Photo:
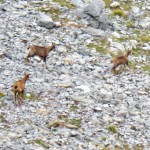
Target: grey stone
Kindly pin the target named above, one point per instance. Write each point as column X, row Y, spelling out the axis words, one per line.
column 92, row 31
column 45, row 21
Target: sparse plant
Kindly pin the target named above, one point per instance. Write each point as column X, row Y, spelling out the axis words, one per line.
column 119, row 12
column 145, row 38
column 65, row 3
column 42, row 143
column 1, row 95
column 112, row 129
column 104, row 138
column 130, row 24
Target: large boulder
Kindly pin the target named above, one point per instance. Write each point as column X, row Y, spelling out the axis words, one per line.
column 45, row 21
column 95, row 14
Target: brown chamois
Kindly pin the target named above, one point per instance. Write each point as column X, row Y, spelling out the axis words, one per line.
column 122, row 60
column 18, row 89
column 40, row 51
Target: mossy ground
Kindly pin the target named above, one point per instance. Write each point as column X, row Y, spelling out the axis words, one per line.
column 1, row 95
column 42, row 143
column 66, row 3
column 52, row 11
column 32, row 96
column 73, row 121
column 112, row 129
column 101, row 46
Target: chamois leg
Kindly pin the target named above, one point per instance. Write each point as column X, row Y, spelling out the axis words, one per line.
column 114, row 69
column 19, row 99
column 27, row 58
column 44, row 59
column 22, row 96
column 15, row 97
column 127, row 64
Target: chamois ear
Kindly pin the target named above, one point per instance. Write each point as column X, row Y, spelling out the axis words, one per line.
column 26, row 74
column 54, row 45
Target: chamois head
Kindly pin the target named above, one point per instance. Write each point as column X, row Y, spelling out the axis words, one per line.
column 128, row 52
column 26, row 76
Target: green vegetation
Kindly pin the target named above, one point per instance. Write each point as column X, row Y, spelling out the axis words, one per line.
column 137, row 32
column 126, row 6
column 145, row 38
column 1, row 1
column 108, row 2
column 119, row 12
column 30, row 96
column 125, row 147
column 146, row 68
column 51, row 10
column 112, row 129
column 104, row 138
column 130, row 24
column 76, row 121
column 73, row 107
column 64, row 3
column 42, row 143
column 1, row 95
column 100, row 47
column 2, row 119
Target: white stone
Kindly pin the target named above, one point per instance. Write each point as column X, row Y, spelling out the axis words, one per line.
column 85, row 88
column 135, row 9
column 115, row 34
column 115, row 4
column 118, row 46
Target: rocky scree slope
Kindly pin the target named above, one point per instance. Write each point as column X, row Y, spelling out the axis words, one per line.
column 101, row 111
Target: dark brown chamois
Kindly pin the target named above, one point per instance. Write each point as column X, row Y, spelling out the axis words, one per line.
column 40, row 51
column 18, row 89
column 122, row 60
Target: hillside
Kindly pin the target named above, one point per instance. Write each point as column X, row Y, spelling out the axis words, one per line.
column 76, row 103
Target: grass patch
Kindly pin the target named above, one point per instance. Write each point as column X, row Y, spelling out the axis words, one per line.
column 65, row 3
column 51, row 10
column 132, row 64
column 119, row 12
column 101, row 47
column 104, row 138
column 1, row 95
column 31, row 96
column 112, row 129
column 2, row 103
column 1, row 1
column 76, row 121
column 108, row 2
column 2, row 119
column 145, row 38
column 130, row 24
column 73, row 108
column 146, row 68
column 42, row 143
column 137, row 32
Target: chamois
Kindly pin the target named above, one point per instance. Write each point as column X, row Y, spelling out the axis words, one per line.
column 122, row 60
column 40, row 51
column 18, row 89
